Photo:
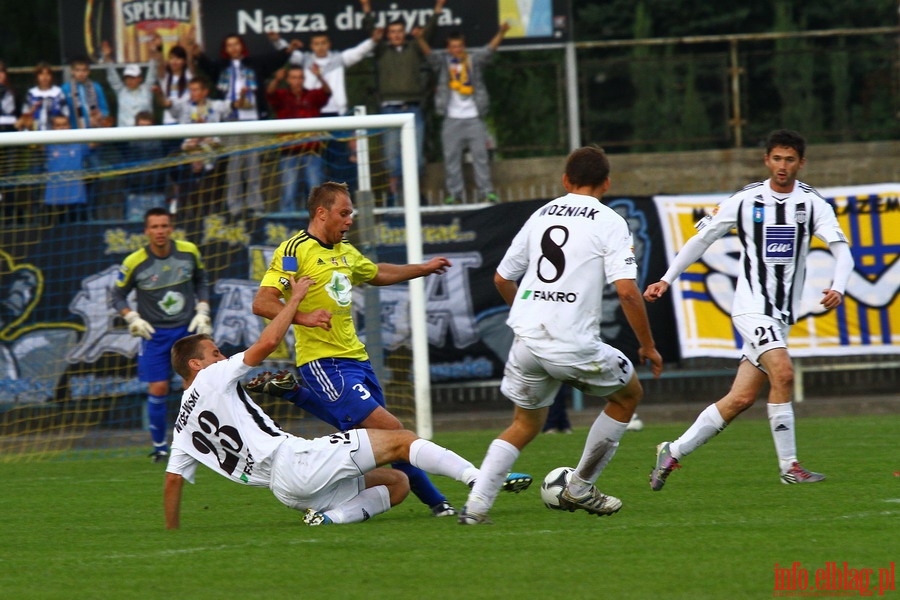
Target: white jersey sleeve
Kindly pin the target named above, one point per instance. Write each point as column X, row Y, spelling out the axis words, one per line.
column 825, row 223
column 515, row 261
column 710, row 228
column 220, row 426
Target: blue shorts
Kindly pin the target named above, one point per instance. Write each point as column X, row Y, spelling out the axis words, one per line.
column 155, row 360
column 344, row 391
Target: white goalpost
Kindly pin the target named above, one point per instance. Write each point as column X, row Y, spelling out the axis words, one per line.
column 20, row 178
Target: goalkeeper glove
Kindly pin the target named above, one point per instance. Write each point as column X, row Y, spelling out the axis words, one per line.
column 139, row 327
column 201, row 322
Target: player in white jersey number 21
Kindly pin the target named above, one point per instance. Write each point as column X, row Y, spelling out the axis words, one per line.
column 775, row 221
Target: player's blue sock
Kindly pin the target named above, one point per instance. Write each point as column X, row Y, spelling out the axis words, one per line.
column 156, row 415
column 420, row 485
column 299, row 396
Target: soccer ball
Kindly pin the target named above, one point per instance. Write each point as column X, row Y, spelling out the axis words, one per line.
column 553, row 485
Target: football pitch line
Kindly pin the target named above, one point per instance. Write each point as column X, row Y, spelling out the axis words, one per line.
column 195, row 549
column 522, row 533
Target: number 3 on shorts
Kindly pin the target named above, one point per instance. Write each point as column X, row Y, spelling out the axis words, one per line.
column 364, row 394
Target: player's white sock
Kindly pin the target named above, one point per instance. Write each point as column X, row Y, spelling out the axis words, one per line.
column 437, row 460
column 498, row 461
column 707, row 426
column 599, row 448
column 370, row 502
column 781, row 422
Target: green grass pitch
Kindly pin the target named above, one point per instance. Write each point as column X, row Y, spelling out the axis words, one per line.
column 94, row 528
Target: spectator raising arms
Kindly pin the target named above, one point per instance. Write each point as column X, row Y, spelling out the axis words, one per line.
column 295, row 102
column 134, row 95
column 238, row 77
column 462, row 99
column 398, row 66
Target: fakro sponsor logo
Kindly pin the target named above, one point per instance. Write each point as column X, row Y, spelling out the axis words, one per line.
column 545, row 296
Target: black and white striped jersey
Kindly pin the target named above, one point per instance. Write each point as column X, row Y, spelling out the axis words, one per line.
column 775, row 231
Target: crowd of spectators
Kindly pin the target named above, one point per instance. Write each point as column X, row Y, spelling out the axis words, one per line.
column 187, row 85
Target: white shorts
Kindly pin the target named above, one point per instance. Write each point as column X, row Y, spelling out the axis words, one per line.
column 323, row 472
column 760, row 333
column 532, row 382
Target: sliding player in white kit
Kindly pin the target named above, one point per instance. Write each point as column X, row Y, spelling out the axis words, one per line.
column 775, row 221
column 565, row 254
column 333, row 478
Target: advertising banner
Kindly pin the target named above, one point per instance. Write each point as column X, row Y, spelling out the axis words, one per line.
column 129, row 24
column 65, row 318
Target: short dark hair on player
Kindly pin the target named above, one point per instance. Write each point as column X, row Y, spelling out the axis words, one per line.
column 156, row 211
column 324, row 195
column 184, row 350
column 786, row 138
column 587, row 166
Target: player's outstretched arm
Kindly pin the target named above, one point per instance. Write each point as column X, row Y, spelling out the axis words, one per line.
column 655, row 291
column 274, row 332
column 172, row 500
column 636, row 313
column 688, row 255
column 268, row 304
column 389, row 274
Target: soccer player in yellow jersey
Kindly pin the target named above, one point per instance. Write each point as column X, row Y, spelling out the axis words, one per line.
column 342, row 388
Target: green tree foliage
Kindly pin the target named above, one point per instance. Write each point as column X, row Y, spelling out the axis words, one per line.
column 614, row 19
column 668, row 104
column 644, row 76
column 528, row 105
column 694, row 119
column 29, row 32
column 839, row 72
column 678, row 96
column 794, row 76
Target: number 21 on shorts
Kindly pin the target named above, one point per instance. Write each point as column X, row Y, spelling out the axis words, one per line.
column 765, row 335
